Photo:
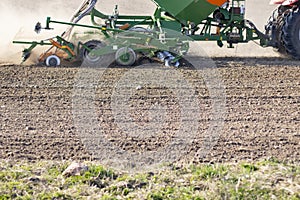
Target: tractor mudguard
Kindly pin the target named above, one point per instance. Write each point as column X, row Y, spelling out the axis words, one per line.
column 289, row 2
column 284, row 2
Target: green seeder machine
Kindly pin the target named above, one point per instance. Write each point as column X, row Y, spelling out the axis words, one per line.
column 164, row 36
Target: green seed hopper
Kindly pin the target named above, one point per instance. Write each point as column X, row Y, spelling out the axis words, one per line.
column 189, row 10
column 162, row 36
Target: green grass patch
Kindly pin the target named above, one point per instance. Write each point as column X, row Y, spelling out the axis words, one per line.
column 264, row 179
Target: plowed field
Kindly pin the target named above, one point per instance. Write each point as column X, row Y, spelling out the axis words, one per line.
column 262, row 111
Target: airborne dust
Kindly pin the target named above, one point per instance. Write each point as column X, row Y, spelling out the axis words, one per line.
column 18, row 18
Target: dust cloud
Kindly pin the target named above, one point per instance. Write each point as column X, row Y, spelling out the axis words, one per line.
column 18, row 18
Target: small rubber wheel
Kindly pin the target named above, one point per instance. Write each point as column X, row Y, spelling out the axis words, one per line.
column 125, row 56
column 52, row 61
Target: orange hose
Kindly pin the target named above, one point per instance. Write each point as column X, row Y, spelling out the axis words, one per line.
column 125, row 26
column 56, row 44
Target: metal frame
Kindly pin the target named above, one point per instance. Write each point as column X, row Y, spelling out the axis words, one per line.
column 229, row 26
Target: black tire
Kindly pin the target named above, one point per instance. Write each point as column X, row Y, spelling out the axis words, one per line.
column 274, row 29
column 92, row 44
column 91, row 60
column 280, row 45
column 291, row 34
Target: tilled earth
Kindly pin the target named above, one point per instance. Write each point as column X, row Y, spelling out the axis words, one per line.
column 262, row 111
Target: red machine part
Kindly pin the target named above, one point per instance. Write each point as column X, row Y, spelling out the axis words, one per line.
column 284, row 2
column 217, row 2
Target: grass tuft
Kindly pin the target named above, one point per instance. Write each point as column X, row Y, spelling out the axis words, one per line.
column 266, row 179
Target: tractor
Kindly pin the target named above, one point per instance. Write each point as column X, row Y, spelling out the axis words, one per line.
column 165, row 35
column 283, row 28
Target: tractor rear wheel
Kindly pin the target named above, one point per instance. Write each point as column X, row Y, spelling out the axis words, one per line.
column 274, row 29
column 280, row 46
column 291, row 34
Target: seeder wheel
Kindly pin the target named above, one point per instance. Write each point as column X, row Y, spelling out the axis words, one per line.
column 125, row 56
column 92, row 60
column 52, row 61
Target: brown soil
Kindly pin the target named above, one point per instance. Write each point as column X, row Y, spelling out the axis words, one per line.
column 262, row 119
